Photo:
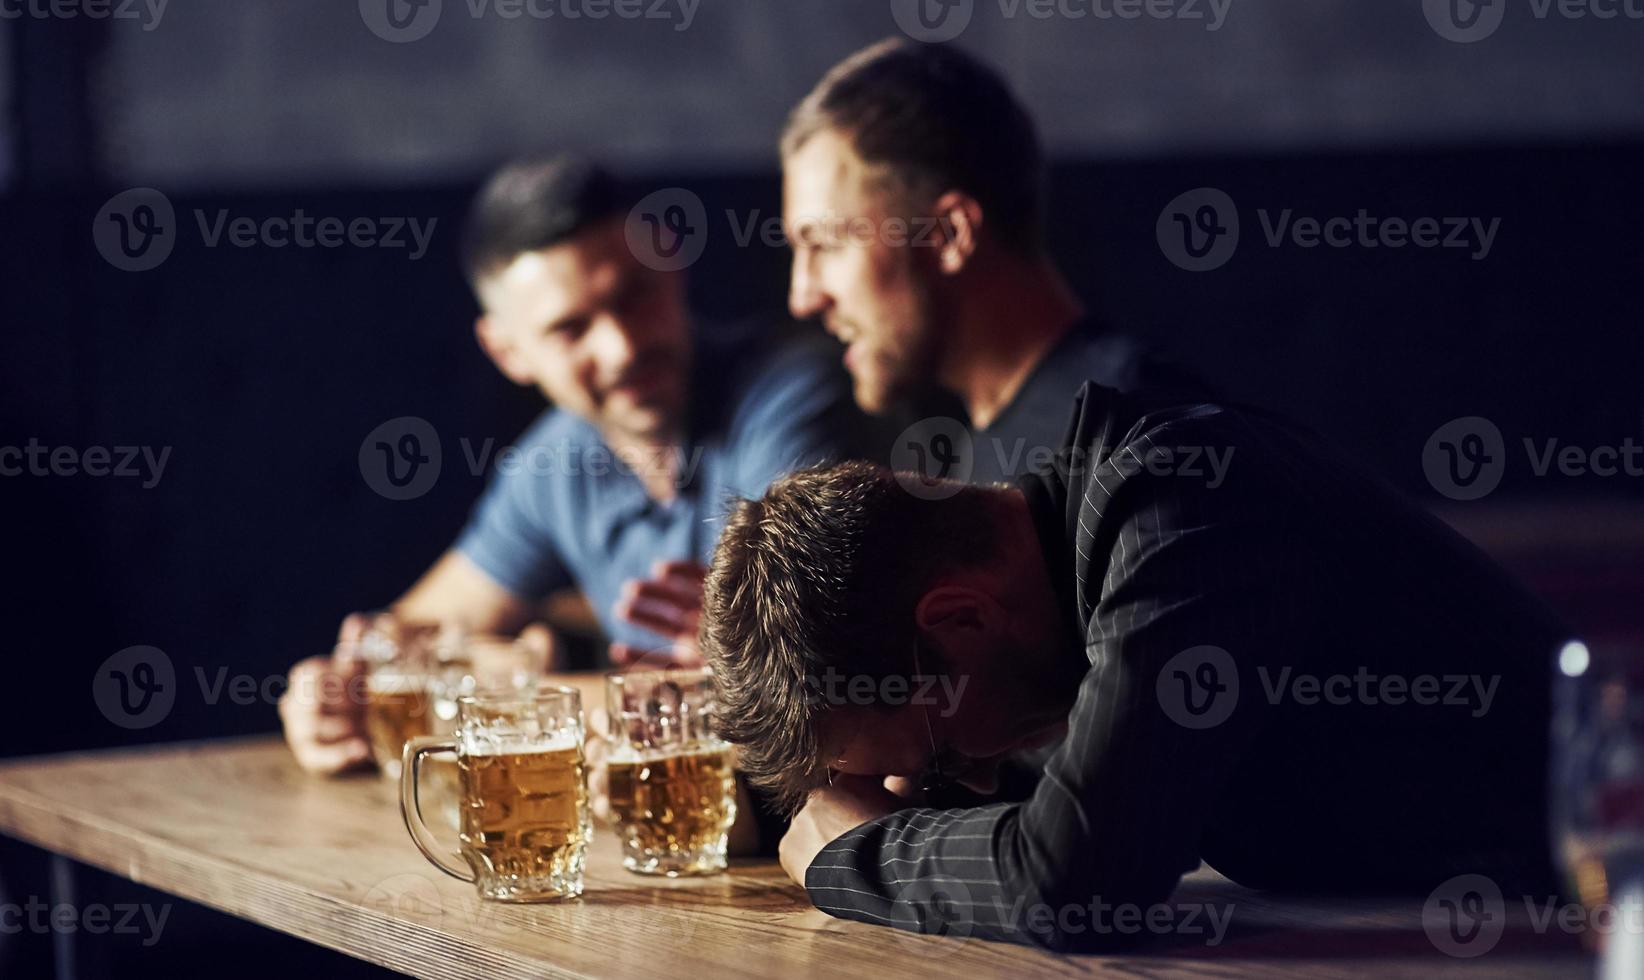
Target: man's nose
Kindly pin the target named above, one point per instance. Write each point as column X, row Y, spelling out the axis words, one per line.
column 805, row 296
column 611, row 345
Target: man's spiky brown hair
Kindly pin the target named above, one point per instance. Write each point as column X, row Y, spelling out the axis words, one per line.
column 822, row 575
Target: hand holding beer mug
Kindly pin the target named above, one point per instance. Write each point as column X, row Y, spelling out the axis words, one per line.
column 524, row 793
column 324, row 711
column 671, row 787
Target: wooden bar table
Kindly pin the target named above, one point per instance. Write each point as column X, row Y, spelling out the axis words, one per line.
column 235, row 825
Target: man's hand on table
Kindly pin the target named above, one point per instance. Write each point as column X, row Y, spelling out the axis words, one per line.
column 323, row 708
column 668, row 603
column 831, row 812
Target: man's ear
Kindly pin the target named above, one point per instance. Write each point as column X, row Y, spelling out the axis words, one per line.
column 956, row 614
column 501, row 352
column 959, row 227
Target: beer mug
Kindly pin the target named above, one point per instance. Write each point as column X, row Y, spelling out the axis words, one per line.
column 672, row 792
column 524, row 823
column 398, row 658
column 465, row 663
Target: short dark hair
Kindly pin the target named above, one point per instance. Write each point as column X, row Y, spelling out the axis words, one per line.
column 937, row 119
column 823, row 575
column 532, row 204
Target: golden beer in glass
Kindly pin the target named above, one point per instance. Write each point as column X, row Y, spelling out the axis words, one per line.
column 397, row 709
column 524, row 818
column 398, row 658
column 467, row 662
column 671, row 782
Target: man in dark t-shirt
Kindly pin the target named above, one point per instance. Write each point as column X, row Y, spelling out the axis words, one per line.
column 913, row 194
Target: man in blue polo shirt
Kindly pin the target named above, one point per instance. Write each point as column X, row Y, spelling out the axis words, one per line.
column 620, row 488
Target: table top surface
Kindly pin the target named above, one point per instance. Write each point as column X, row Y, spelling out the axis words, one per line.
column 235, row 825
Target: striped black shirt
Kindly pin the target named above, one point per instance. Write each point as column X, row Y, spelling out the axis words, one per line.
column 1247, row 638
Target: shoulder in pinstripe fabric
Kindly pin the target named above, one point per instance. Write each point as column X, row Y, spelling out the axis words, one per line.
column 1118, row 617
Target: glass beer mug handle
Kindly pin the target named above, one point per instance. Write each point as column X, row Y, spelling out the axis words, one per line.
column 411, row 807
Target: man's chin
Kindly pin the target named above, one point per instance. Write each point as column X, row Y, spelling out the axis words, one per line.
column 884, row 395
column 641, row 420
column 872, row 396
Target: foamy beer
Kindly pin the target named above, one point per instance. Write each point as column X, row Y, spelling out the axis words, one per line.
column 672, row 792
column 396, row 711
column 465, row 663
column 524, row 824
column 397, row 706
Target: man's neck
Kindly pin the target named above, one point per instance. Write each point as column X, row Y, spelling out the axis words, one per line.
column 1049, row 670
column 1010, row 315
column 654, row 460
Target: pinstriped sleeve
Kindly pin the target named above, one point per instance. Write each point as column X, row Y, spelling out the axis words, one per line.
column 1166, row 568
